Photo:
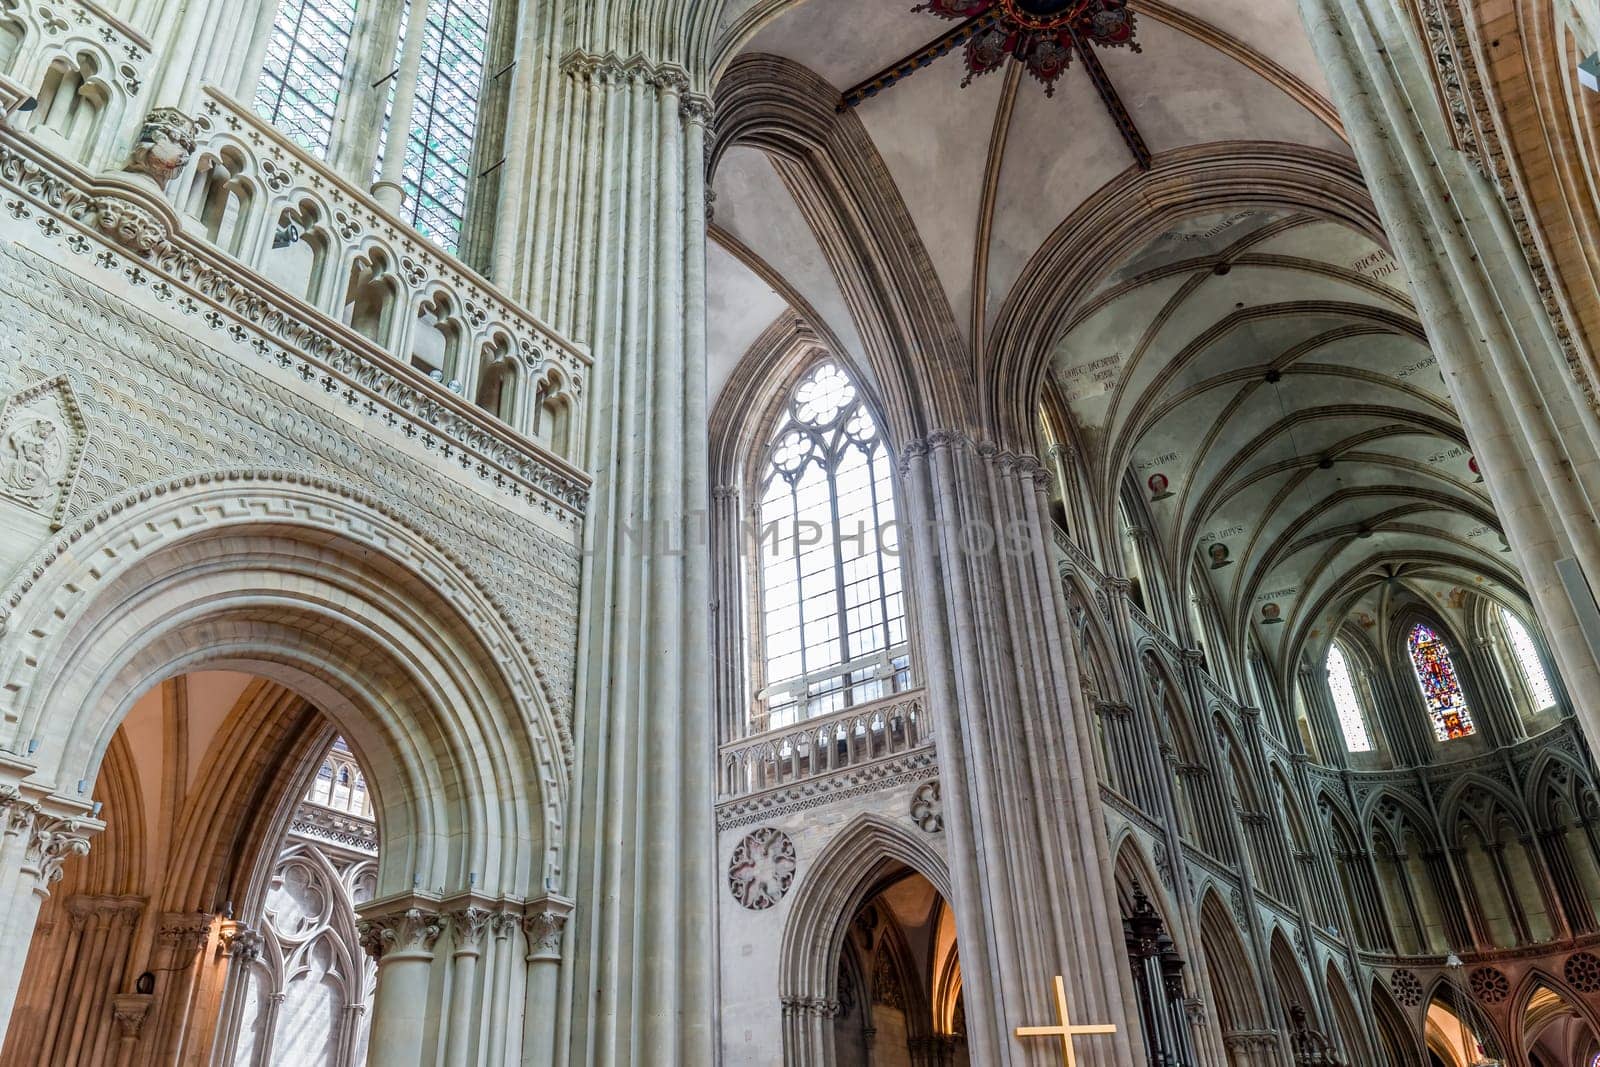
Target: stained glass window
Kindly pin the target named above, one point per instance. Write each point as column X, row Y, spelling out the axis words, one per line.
column 438, row 164
column 1441, row 689
column 832, row 611
column 304, row 67
column 1351, row 722
column 1528, row 659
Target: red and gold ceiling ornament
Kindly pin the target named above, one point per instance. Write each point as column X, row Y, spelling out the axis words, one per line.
column 1042, row 35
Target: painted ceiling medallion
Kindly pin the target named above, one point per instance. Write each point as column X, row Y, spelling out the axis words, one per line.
column 1041, row 34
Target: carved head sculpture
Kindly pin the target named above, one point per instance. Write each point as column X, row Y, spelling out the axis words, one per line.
column 166, row 141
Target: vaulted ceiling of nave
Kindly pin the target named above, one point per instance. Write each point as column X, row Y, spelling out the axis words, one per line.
column 1345, row 476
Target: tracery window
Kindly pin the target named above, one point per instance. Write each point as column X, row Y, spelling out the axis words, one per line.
column 300, row 80
column 438, row 163
column 1352, row 723
column 1441, row 688
column 1528, row 661
column 831, row 607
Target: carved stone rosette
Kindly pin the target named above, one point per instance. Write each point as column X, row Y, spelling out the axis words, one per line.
column 413, row 932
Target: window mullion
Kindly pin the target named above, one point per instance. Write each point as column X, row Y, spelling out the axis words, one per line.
column 838, row 578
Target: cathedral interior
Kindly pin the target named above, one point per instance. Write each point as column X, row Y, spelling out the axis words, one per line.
column 799, row 533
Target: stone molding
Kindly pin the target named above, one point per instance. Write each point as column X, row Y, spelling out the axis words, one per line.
column 860, row 780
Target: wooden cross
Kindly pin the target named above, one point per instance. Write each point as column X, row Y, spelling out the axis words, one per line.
column 1065, row 1031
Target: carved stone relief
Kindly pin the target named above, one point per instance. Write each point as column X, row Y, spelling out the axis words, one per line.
column 762, row 868
column 927, row 811
column 41, row 443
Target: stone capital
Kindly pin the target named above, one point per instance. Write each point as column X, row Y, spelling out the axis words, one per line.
column 468, row 926
column 129, row 1011
column 184, row 934
column 404, row 932
column 53, row 840
column 240, row 943
column 544, row 921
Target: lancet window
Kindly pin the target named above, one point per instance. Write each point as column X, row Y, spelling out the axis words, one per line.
column 438, row 163
column 1528, row 661
column 299, row 86
column 1441, row 688
column 827, row 568
column 1352, row 723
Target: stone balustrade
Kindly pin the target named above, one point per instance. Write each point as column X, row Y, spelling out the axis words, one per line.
column 270, row 256
column 825, row 745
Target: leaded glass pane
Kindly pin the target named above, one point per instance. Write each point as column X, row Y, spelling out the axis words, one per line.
column 832, row 612
column 1351, row 722
column 438, row 164
column 1528, row 659
column 1441, row 689
column 304, row 68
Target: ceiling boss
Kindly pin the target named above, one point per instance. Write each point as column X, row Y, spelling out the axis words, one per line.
column 1042, row 35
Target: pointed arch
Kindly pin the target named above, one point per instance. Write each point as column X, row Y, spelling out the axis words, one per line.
column 1347, row 1022
column 1234, row 984
column 1398, row 1042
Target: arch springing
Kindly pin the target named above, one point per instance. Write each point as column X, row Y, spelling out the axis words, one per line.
column 1352, row 723
column 1441, row 688
column 832, row 612
column 1528, row 661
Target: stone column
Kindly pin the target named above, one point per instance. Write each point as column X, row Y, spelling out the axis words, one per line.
column 180, row 939
column 1523, row 399
column 387, row 190
column 467, row 926
column 241, row 947
column 37, row 836
column 364, row 92
column 401, row 941
column 628, row 280
column 129, row 1011
column 503, row 925
column 543, row 925
column 1029, row 862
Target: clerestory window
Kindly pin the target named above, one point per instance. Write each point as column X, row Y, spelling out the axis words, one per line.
column 1441, row 688
column 1352, row 722
column 831, row 610
column 304, row 68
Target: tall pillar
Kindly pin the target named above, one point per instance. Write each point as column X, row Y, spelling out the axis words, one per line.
column 37, row 835
column 1533, row 430
column 241, row 947
column 1029, row 862
column 401, row 940
column 543, row 925
column 628, row 279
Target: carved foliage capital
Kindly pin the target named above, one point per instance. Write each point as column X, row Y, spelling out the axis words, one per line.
column 468, row 925
column 413, row 931
column 543, row 926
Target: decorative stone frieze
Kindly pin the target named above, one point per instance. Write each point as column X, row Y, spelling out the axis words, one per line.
column 798, row 1007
